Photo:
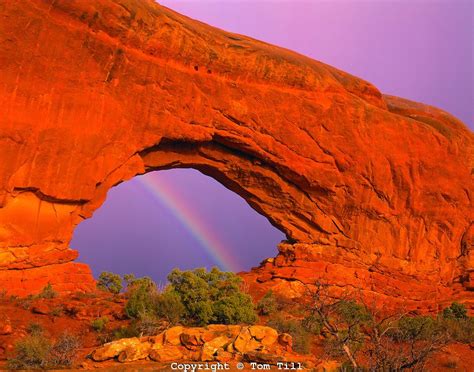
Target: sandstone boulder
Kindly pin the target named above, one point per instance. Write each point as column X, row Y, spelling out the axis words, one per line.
column 113, row 349
column 285, row 340
column 173, row 335
column 266, row 335
column 225, row 343
column 167, row 354
column 135, row 352
column 245, row 342
column 210, row 348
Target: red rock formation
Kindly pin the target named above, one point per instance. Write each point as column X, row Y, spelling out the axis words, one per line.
column 373, row 191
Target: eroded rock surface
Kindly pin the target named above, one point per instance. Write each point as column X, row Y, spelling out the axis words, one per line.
column 212, row 343
column 371, row 190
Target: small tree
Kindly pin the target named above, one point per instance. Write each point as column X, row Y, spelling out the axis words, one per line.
column 142, row 295
column 168, row 305
column 212, row 297
column 390, row 342
column 110, row 282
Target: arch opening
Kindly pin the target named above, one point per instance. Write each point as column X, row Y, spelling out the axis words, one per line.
column 174, row 218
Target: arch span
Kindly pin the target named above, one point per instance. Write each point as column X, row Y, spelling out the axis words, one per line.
column 373, row 191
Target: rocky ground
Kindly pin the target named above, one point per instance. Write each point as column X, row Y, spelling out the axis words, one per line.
column 216, row 343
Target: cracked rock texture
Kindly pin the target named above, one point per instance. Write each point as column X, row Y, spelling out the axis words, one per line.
column 372, row 191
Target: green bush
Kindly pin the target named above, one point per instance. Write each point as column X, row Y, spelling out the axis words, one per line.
column 415, row 328
column 36, row 351
column 125, row 332
column 212, row 297
column 168, row 305
column 110, row 282
column 294, row 327
column 195, row 297
column 31, row 352
column 48, row 292
column 268, row 304
column 455, row 311
column 34, row 329
column 142, row 294
column 99, row 324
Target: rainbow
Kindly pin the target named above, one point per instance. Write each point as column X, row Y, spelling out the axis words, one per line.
column 165, row 194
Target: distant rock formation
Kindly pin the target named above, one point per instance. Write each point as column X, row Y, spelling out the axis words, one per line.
column 372, row 191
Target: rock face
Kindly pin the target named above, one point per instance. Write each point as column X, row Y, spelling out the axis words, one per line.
column 371, row 190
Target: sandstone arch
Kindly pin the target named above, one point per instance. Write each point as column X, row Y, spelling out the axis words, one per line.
column 373, row 191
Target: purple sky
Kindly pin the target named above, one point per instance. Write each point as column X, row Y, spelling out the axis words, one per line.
column 421, row 50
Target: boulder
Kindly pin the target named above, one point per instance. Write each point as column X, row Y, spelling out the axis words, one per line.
column 285, row 340
column 173, row 335
column 113, row 349
column 192, row 338
column 167, row 354
column 41, row 308
column 265, row 335
column 135, row 352
column 210, row 348
column 261, row 357
column 245, row 342
column 223, row 356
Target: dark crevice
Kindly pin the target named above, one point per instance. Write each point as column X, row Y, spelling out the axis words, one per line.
column 48, row 198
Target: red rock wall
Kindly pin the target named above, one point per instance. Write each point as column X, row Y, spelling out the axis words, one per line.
column 94, row 93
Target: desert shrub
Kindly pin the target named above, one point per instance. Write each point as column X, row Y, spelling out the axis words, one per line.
column 64, row 351
column 99, row 324
column 414, row 328
column 36, row 351
column 294, row 327
column 212, row 297
column 110, row 282
column 31, row 352
column 148, row 325
column 25, row 302
column 142, row 295
column 47, row 292
column 168, row 305
column 455, row 311
column 57, row 311
column 268, row 304
column 460, row 330
column 34, row 329
column 125, row 332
